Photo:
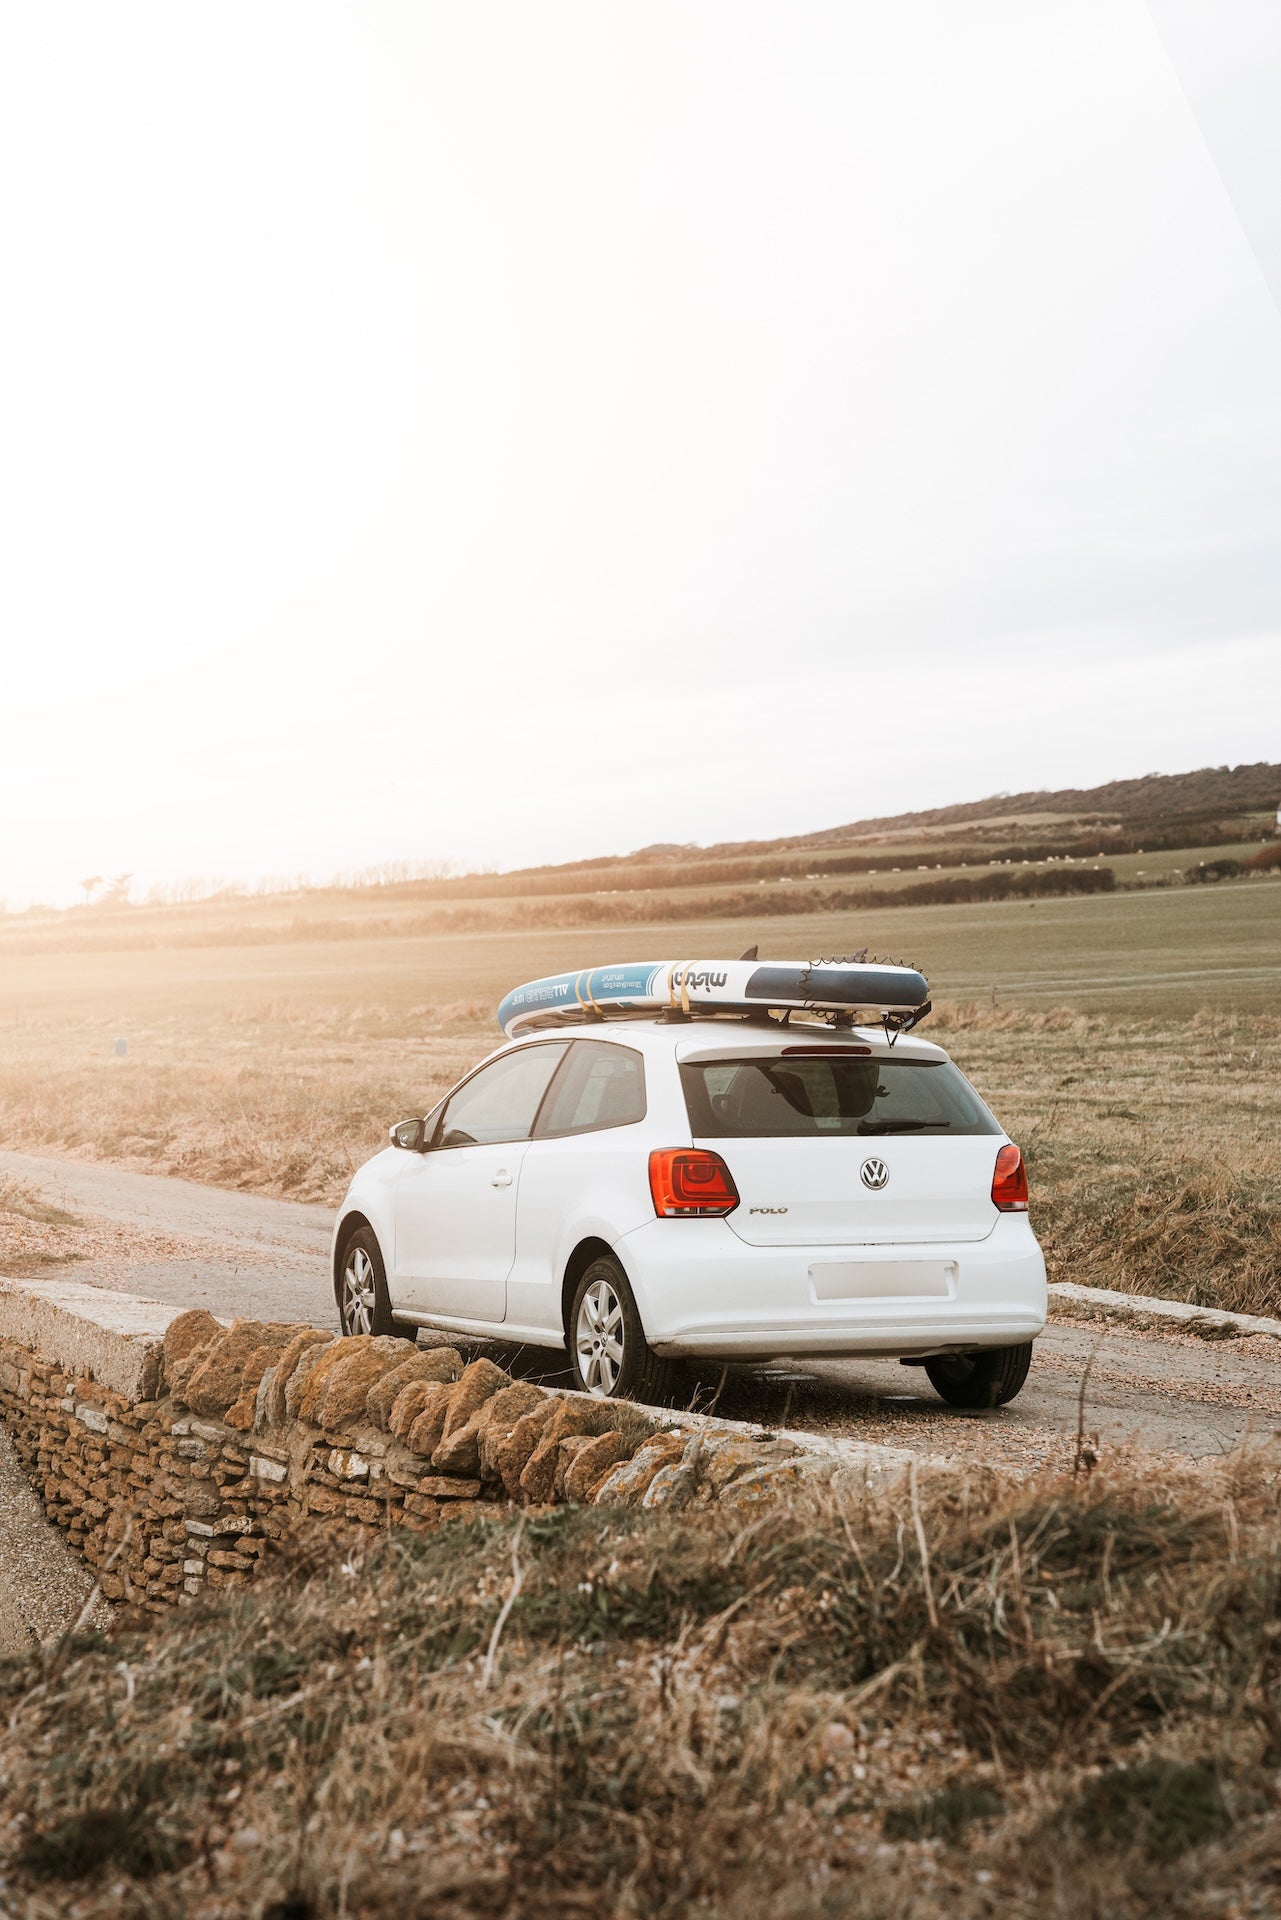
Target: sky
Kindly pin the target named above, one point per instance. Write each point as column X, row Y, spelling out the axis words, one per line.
column 497, row 433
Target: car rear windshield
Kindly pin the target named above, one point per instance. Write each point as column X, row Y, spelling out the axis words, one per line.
column 771, row 1098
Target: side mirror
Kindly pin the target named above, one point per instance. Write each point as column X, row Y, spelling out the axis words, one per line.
column 407, row 1134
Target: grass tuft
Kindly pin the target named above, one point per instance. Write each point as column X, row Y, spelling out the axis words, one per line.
column 1164, row 1808
column 944, row 1815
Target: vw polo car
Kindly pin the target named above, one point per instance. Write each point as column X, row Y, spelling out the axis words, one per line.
column 661, row 1189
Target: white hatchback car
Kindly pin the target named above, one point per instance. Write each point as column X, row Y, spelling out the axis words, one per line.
column 651, row 1190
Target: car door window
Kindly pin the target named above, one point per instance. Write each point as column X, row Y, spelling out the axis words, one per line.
column 601, row 1085
column 500, row 1102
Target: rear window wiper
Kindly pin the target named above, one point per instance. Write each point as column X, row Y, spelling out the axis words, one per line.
column 902, row 1126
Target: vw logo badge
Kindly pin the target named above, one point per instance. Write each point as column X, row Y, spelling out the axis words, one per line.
column 874, row 1174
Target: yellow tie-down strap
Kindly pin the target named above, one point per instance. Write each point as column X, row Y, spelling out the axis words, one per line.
column 583, row 993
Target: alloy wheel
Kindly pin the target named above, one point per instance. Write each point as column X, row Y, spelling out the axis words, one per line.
column 358, row 1292
column 598, row 1339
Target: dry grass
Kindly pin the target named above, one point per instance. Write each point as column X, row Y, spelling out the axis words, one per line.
column 33, row 1234
column 1066, row 1705
column 269, row 1097
column 1154, row 1145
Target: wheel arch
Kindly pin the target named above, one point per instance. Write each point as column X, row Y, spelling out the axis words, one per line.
column 350, row 1224
column 590, row 1248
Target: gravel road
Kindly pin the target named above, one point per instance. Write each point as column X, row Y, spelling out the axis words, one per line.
column 242, row 1253
column 43, row 1581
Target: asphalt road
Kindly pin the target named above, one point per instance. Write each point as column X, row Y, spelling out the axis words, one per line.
column 190, row 1245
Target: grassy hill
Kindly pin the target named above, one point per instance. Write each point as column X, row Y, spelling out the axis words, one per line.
column 1158, row 831
column 1150, row 799
column 1163, row 809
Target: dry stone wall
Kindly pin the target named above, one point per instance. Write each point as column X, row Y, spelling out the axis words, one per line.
column 181, row 1459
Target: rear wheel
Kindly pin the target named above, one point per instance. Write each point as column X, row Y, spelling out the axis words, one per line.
column 364, row 1305
column 610, row 1354
column 987, row 1379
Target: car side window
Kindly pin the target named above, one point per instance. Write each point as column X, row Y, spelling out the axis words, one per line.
column 601, row 1085
column 500, row 1102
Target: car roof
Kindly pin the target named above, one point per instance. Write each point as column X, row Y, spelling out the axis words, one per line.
column 719, row 1039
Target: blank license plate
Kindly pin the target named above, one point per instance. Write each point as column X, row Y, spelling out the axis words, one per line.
column 884, row 1279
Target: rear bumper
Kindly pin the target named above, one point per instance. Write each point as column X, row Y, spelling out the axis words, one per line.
column 701, row 1291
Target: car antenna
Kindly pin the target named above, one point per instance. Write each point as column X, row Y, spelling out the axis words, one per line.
column 751, row 954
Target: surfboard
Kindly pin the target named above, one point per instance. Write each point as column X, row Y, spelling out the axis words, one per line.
column 894, row 992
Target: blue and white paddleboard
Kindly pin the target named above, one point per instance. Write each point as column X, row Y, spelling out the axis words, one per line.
column 717, row 986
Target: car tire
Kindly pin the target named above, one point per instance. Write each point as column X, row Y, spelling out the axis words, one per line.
column 987, row 1379
column 608, row 1351
column 364, row 1304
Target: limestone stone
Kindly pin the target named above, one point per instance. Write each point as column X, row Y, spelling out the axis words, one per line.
column 729, row 1460
column 345, row 1465
column 762, row 1483
column 459, row 1454
column 424, row 1432
column 504, row 1456
column 262, row 1467
column 259, row 1422
column 459, row 1509
column 301, row 1373
column 431, row 1363
column 413, row 1400
column 589, row 1464
column 241, row 1412
column 341, row 1353
column 567, row 1452
column 459, row 1451
column 185, row 1332
column 675, row 1485
column 477, row 1382
column 538, row 1475
column 178, row 1376
column 628, row 1483
column 422, row 1508
column 498, row 1417
column 216, row 1382
column 274, row 1412
column 511, row 1404
column 350, row 1378
column 82, row 1329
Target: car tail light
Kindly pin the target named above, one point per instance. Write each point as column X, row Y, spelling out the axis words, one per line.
column 685, row 1181
column 1009, row 1182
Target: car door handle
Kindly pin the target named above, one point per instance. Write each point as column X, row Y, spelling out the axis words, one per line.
column 501, row 1179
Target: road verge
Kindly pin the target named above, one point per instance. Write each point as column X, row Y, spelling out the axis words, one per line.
column 1151, row 1311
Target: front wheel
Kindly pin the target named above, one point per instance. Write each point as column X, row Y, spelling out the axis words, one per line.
column 364, row 1305
column 987, row 1379
column 611, row 1357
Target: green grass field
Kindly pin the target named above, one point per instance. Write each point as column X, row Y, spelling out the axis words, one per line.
column 1170, row 951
